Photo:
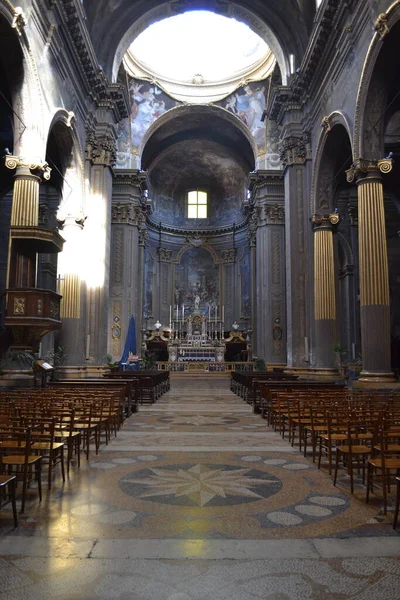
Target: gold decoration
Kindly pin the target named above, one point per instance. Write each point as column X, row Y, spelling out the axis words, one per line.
column 40, row 170
column 324, row 275
column 54, row 310
column 362, row 167
column 19, row 306
column 325, row 123
column 326, row 220
column 374, row 277
column 19, row 21
column 381, row 26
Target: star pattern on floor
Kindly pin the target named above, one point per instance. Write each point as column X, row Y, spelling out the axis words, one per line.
column 199, row 420
column 201, row 483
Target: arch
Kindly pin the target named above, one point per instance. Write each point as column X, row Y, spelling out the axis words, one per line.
column 346, row 249
column 30, row 143
column 186, row 119
column 71, row 169
column 189, row 246
column 233, row 10
column 383, row 25
column 335, row 118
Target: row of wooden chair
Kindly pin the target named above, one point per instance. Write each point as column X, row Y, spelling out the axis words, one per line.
column 352, row 431
column 36, row 425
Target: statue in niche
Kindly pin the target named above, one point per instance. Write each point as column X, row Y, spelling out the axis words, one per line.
column 196, row 302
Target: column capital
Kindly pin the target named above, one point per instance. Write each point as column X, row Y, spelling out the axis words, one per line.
column 69, row 220
column 326, row 221
column 24, row 167
column 295, row 150
column 101, row 148
column 253, row 226
column 362, row 167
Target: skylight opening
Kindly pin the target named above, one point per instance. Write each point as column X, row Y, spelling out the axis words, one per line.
column 198, row 47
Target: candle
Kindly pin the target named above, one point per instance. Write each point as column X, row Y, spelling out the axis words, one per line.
column 183, row 312
column 223, row 313
column 216, row 312
column 177, row 313
column 170, row 316
column 209, row 313
column 306, row 351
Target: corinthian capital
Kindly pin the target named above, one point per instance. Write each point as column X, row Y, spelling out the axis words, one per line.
column 362, row 167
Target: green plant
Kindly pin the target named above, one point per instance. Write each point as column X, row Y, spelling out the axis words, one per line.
column 111, row 364
column 259, row 364
column 149, row 360
column 340, row 352
column 56, row 358
column 16, row 359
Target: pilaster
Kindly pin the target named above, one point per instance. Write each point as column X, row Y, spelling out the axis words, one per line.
column 296, row 158
column 127, row 257
column 270, row 298
column 100, row 155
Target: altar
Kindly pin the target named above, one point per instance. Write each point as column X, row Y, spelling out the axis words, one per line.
column 197, row 340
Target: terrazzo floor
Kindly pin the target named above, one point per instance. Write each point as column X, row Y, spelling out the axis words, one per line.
column 198, row 499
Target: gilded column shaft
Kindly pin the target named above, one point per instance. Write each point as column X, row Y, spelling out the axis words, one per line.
column 324, row 295
column 324, row 276
column 25, row 206
column 28, row 176
column 374, row 277
column 70, row 292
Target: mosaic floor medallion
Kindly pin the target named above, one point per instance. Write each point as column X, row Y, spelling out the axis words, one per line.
column 200, row 485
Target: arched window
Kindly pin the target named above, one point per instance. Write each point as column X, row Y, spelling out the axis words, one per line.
column 197, row 204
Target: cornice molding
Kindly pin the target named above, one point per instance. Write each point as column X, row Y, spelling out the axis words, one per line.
column 110, row 95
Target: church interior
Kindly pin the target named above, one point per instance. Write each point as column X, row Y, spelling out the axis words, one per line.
column 200, row 299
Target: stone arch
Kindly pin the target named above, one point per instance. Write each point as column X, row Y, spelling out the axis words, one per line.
column 323, row 171
column 29, row 103
column 189, row 246
column 345, row 249
column 63, row 122
column 365, row 111
column 183, row 116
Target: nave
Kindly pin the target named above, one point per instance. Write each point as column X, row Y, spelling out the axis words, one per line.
column 197, row 498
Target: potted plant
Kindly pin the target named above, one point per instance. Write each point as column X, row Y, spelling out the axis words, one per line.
column 259, row 364
column 112, row 365
column 56, row 358
column 16, row 368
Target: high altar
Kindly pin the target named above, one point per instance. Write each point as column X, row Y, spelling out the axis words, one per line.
column 201, row 342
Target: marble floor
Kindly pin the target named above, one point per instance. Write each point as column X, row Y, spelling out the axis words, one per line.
column 198, row 499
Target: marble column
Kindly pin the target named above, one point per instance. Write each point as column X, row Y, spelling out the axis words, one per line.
column 324, row 294
column 374, row 278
